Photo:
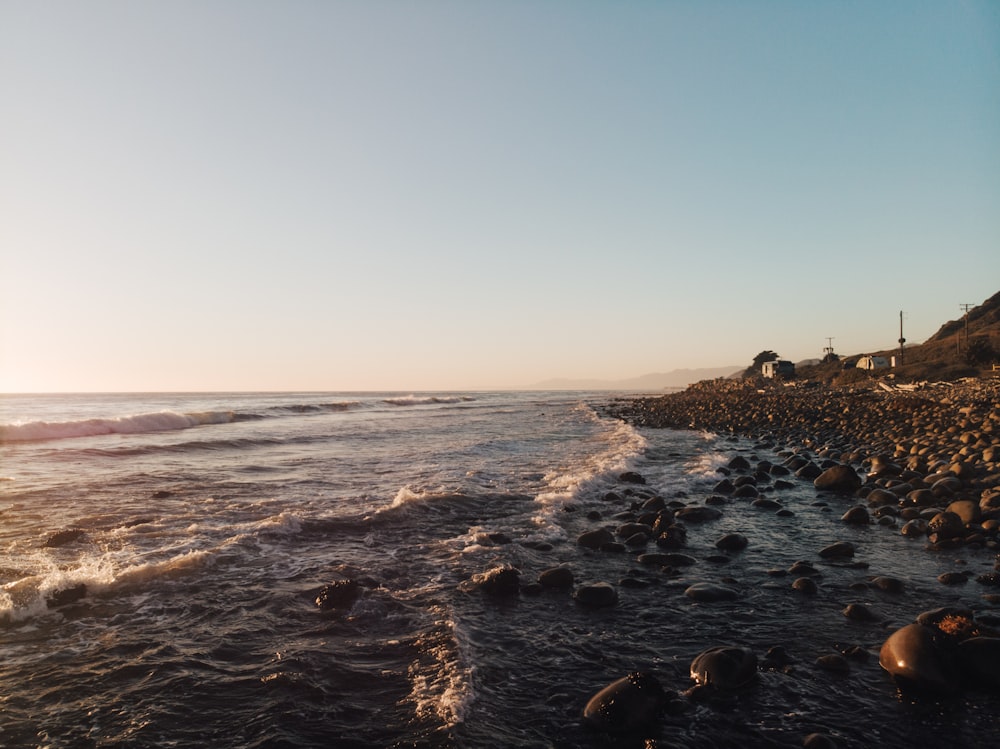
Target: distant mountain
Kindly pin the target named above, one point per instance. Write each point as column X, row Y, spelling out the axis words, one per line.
column 678, row 378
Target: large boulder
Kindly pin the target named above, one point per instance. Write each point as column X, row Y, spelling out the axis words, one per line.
column 631, row 704
column 915, row 660
column 724, row 667
column 841, row 479
column 596, row 595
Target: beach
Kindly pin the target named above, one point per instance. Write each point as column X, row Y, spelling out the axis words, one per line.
column 472, row 569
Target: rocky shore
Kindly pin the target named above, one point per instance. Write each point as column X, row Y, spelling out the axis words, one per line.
column 925, row 459
column 906, row 439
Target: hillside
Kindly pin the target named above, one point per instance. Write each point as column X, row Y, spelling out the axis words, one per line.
column 943, row 356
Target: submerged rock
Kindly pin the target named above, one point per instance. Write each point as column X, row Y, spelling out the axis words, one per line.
column 338, row 595
column 61, row 538
column 724, row 667
column 631, row 704
column 499, row 581
column 596, row 595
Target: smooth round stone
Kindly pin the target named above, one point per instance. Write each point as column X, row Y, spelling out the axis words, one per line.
column 629, row 705
column 557, row 577
column 839, row 550
column 953, row 578
column 818, row 741
column 805, row 585
column 888, row 584
column 698, row 514
column 596, row 595
column 595, row 539
column 763, row 503
column 858, row 612
column 732, row 542
column 857, row 516
column 839, row 478
column 724, row 667
column 710, row 593
column 912, row 657
column 914, row 528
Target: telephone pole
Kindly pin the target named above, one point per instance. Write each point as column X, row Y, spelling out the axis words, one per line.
column 965, row 308
column 901, row 339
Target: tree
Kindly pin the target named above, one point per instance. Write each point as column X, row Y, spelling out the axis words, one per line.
column 980, row 352
column 758, row 361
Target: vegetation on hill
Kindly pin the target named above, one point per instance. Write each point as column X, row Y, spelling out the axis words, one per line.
column 966, row 347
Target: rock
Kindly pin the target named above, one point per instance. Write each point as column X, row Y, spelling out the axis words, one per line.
column 818, row 741
column 764, row 503
column 914, row 528
column 338, row 595
column 596, row 538
column 810, row 471
column 631, row 477
column 724, row 487
column 834, row 662
column 946, row 525
column 698, row 514
column 557, row 577
column 596, row 595
column 841, row 479
column 631, row 704
column 857, row 516
column 888, row 584
column 732, row 542
column 966, row 510
column 66, row 596
column 858, row 612
column 747, row 491
column 979, row 659
column 805, row 585
column 838, row 550
column 710, row 593
column 61, row 538
column 739, row 463
column 724, row 667
column 911, row 655
column 953, row 578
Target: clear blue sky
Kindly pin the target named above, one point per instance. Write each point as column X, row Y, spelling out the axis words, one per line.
column 237, row 194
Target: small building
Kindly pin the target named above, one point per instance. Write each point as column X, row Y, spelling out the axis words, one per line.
column 778, row 369
column 873, row 362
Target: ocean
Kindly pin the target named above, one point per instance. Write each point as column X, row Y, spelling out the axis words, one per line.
column 162, row 558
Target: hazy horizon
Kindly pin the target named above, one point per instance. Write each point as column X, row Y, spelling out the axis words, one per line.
column 388, row 196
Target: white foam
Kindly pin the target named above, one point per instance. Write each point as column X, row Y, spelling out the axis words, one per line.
column 442, row 689
column 160, row 421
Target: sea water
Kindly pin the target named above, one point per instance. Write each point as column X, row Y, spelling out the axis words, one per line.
column 178, row 607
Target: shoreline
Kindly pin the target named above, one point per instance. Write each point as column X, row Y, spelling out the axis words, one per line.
column 918, row 436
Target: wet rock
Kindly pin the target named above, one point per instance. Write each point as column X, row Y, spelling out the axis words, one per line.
column 953, row 578
column 631, row 477
column 710, row 593
column 724, row 667
column 556, row 577
column 912, row 656
column 946, row 525
column 66, row 596
column 805, row 585
column 61, row 538
column 857, row 516
column 914, row 528
column 979, row 659
column 596, row 538
column 596, row 595
column 818, row 741
column 834, row 662
column 732, row 542
column 338, row 595
column 631, row 704
column 838, row 550
column 764, row 503
column 698, row 514
column 888, row 584
column 739, row 463
column 858, row 612
column 841, row 479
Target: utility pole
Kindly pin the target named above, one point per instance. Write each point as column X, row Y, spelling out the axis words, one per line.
column 901, row 339
column 828, row 351
column 965, row 307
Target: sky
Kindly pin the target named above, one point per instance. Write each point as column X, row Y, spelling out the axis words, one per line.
column 202, row 195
